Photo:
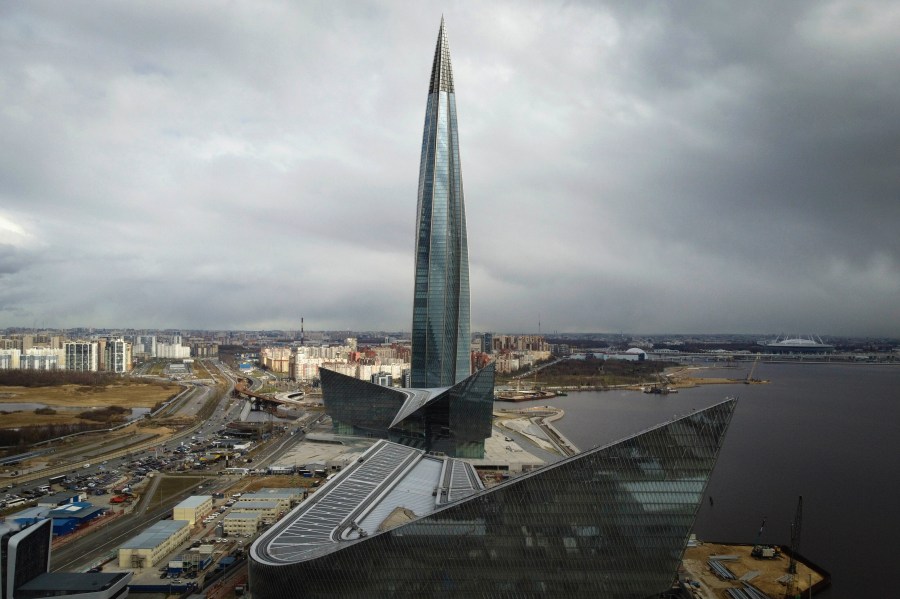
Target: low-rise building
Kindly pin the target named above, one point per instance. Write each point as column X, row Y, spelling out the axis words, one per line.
column 237, row 524
column 283, row 499
column 268, row 510
column 193, row 509
column 68, row 517
column 149, row 547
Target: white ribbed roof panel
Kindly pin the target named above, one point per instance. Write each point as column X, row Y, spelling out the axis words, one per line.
column 413, row 492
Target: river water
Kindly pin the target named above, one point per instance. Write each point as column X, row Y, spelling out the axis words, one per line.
column 828, row 432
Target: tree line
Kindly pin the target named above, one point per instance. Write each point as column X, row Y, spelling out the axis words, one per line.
column 52, row 378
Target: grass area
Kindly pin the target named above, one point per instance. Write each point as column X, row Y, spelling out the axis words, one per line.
column 128, row 394
column 278, row 482
column 200, row 370
column 20, row 419
column 69, row 400
column 157, row 368
column 599, row 373
column 173, row 486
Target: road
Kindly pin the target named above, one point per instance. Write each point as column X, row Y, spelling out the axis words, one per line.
column 83, row 553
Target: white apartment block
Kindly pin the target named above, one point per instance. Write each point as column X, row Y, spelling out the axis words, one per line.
column 118, row 356
column 42, row 358
column 172, row 351
column 9, row 359
column 82, row 356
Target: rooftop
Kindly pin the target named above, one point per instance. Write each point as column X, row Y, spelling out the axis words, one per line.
column 71, row 583
column 243, row 505
column 415, row 399
column 264, row 494
column 358, row 501
column 82, row 509
column 156, row 535
column 194, row 501
column 242, row 516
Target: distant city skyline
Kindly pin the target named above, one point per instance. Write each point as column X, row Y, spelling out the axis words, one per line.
column 701, row 168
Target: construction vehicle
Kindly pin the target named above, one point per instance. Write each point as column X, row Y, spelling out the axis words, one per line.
column 760, row 551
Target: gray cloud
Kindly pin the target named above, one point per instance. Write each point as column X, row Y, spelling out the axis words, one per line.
column 683, row 167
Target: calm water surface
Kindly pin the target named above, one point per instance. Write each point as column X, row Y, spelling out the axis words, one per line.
column 829, row 432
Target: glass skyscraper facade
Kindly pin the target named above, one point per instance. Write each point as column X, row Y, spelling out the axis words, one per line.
column 440, row 327
column 610, row 522
column 453, row 420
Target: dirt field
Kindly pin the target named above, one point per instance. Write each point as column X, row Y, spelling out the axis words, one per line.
column 766, row 580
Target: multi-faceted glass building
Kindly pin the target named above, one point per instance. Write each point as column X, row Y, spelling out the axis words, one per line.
column 452, row 420
column 611, row 522
column 440, row 327
column 25, row 568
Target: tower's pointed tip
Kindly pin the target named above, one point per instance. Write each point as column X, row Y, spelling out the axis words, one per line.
column 441, row 73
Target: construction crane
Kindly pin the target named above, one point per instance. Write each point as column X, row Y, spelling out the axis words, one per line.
column 750, row 378
column 795, row 535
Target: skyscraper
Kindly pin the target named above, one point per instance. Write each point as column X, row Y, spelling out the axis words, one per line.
column 440, row 328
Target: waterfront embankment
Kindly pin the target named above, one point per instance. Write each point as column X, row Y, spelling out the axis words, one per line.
column 535, row 424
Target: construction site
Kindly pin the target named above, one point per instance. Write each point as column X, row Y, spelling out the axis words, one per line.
column 751, row 571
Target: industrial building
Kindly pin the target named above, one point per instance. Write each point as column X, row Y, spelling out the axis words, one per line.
column 68, row 517
column 610, row 522
column 65, row 517
column 149, row 547
column 193, row 509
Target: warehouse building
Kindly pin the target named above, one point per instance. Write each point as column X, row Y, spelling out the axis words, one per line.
column 148, row 548
column 68, row 517
column 193, row 509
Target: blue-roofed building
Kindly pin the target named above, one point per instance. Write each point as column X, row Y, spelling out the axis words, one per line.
column 68, row 517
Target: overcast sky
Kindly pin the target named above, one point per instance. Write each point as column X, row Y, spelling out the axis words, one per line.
column 637, row 167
